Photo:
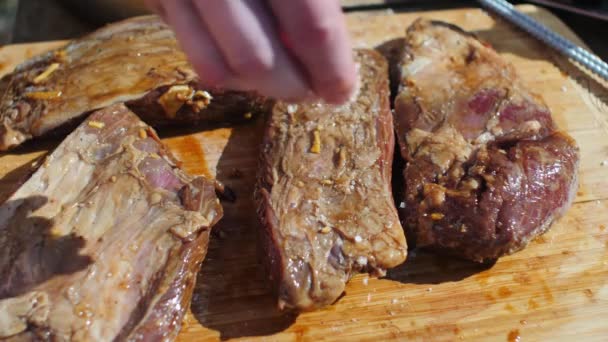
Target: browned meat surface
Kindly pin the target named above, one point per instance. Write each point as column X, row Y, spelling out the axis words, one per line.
column 324, row 192
column 487, row 170
column 135, row 61
column 104, row 240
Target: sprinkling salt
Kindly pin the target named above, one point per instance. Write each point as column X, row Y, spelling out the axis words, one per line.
column 362, row 260
column 292, row 108
column 402, row 205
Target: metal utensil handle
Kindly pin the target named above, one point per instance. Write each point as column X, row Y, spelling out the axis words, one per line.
column 538, row 30
column 572, row 8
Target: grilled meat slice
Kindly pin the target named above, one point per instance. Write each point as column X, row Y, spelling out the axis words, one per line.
column 487, row 169
column 324, row 192
column 136, row 61
column 104, row 240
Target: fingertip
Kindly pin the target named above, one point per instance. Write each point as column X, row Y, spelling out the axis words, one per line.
column 302, row 97
column 196, row 42
column 154, row 6
column 210, row 74
column 255, row 64
column 323, row 47
column 337, row 90
column 238, row 29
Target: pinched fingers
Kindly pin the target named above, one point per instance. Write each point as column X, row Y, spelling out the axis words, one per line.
column 196, row 42
column 316, row 31
column 289, row 50
column 245, row 33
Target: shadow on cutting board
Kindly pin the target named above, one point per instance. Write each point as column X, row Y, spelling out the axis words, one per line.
column 38, row 144
column 31, row 239
column 232, row 294
column 11, row 181
column 37, row 149
column 425, row 267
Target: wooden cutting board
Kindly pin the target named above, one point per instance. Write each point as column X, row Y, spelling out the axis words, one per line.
column 555, row 289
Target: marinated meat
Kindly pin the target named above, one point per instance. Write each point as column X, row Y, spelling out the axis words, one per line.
column 137, row 61
column 104, row 240
column 324, row 192
column 487, row 169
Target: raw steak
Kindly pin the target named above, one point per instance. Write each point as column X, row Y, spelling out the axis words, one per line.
column 103, row 242
column 135, row 61
column 487, row 169
column 324, row 192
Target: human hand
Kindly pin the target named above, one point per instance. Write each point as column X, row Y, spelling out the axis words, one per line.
column 292, row 50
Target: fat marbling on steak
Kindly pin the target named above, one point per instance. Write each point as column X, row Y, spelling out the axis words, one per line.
column 487, row 169
column 136, row 61
column 324, row 192
column 103, row 242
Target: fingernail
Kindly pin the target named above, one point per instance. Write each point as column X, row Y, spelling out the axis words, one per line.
column 340, row 98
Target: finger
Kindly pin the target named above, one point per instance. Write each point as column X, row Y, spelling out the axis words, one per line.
column 244, row 32
column 156, row 7
column 316, row 32
column 196, row 42
column 239, row 35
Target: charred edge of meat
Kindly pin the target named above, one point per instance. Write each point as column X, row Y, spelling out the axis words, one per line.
column 224, row 106
column 224, row 192
column 462, row 31
column 142, row 306
column 165, row 312
column 271, row 256
column 393, row 51
column 451, row 27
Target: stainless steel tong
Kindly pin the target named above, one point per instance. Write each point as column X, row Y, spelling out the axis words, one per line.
column 543, row 33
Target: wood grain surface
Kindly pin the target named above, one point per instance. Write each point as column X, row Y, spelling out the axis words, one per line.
column 556, row 289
